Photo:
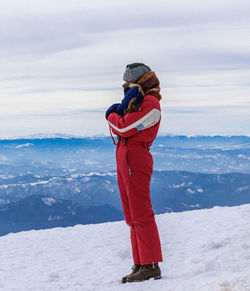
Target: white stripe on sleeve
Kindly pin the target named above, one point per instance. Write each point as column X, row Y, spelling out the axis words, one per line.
column 148, row 120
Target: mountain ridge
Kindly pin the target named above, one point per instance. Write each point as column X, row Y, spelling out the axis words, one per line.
column 43, row 212
column 169, row 189
column 69, row 136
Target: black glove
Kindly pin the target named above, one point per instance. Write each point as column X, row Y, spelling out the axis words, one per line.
column 111, row 109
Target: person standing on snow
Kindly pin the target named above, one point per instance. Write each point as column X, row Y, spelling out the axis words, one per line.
column 136, row 121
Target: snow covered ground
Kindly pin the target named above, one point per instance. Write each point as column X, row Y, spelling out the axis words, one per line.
column 203, row 250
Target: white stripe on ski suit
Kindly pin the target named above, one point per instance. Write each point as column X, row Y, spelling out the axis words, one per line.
column 148, row 120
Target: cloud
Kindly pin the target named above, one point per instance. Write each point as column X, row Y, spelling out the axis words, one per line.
column 214, row 120
column 70, row 55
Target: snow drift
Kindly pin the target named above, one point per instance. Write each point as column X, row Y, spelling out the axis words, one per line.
column 204, row 250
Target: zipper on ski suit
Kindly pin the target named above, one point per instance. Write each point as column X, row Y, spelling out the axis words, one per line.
column 129, row 169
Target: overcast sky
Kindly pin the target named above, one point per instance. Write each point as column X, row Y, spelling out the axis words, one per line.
column 62, row 63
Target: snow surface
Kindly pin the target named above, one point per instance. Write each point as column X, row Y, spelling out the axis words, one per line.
column 49, row 201
column 24, row 145
column 204, row 250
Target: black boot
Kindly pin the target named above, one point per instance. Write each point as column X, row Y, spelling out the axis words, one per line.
column 145, row 273
column 135, row 269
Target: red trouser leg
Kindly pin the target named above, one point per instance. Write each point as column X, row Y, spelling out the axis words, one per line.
column 134, row 169
column 127, row 215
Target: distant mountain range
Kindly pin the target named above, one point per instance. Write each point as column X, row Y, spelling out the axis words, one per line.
column 79, row 174
column 61, row 156
column 42, row 212
column 94, row 197
column 170, row 190
column 180, row 191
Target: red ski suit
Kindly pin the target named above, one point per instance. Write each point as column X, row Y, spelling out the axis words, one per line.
column 134, row 170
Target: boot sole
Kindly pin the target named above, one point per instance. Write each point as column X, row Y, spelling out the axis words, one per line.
column 155, row 278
